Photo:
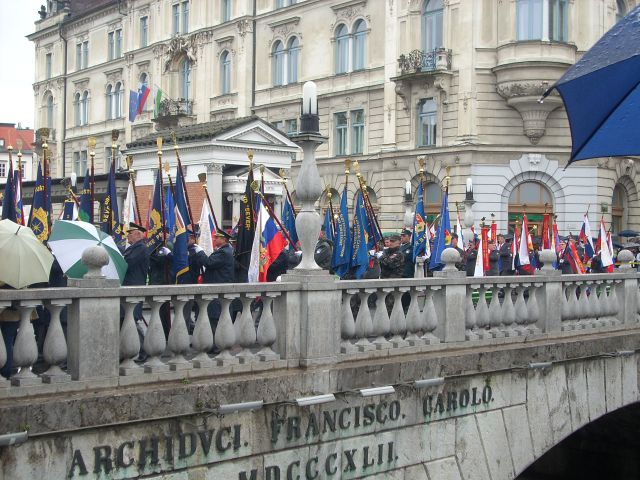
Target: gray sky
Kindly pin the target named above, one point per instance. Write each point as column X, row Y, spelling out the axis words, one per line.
column 17, row 19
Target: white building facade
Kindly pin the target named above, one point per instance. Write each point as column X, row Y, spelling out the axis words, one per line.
column 455, row 82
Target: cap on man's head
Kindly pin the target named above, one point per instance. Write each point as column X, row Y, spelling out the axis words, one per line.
column 508, row 237
column 405, row 231
column 222, row 234
column 135, row 226
column 394, row 237
column 454, row 235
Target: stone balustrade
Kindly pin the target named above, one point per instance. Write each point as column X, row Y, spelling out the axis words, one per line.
column 307, row 319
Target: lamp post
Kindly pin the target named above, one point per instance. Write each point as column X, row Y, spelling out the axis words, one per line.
column 308, row 184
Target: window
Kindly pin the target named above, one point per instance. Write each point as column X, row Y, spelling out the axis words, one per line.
column 49, row 113
column 342, row 49
column 279, row 125
column 80, row 162
column 84, row 109
column 185, row 79
column 282, row 3
column 175, row 19
column 341, row 133
column 48, row 61
column 559, row 20
column 278, row 63
column 185, row 17
column 621, row 10
column 78, row 56
column 114, row 40
column 225, row 73
column 76, row 109
column 109, row 102
column 529, row 14
column 118, row 110
column 427, row 122
column 538, row 200
column 293, row 50
column 226, row 10
column 85, row 54
column 108, row 157
column 291, row 126
column 543, row 20
column 618, row 205
column 357, row 131
column 180, row 18
column 118, row 51
column 432, row 25
column 144, row 31
column 359, row 37
column 110, row 45
column 3, row 168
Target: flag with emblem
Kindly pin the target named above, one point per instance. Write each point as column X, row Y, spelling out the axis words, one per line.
column 342, row 239
column 289, row 221
column 85, row 210
column 110, row 220
column 359, row 253
column 40, row 216
column 180, row 253
column 443, row 236
column 246, row 230
column 419, row 240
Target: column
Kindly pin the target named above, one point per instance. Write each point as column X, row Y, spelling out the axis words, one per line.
column 235, row 213
column 214, row 185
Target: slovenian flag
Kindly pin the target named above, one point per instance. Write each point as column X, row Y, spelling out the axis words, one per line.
column 586, row 239
column 143, row 94
column 269, row 244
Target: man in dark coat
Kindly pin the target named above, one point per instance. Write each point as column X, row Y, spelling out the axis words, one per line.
column 407, row 251
column 470, row 258
column 506, row 258
column 137, row 257
column 494, row 257
column 219, row 268
column 392, row 259
column 323, row 252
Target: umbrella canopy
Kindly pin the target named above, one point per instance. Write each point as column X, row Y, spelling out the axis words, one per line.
column 628, row 233
column 70, row 238
column 601, row 94
column 631, row 245
column 25, row 260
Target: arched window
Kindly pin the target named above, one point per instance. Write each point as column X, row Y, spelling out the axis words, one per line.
column 618, row 207
column 185, row 79
column 342, row 49
column 432, row 200
column 77, row 109
column 144, row 79
column 278, row 63
column 49, row 113
column 532, row 198
column 427, row 122
column 293, row 54
column 118, row 109
column 109, row 103
column 621, row 10
column 225, row 73
column 432, row 25
column 359, row 44
column 559, row 20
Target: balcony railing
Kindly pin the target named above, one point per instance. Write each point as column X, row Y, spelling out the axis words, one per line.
column 179, row 107
column 418, row 61
column 269, row 326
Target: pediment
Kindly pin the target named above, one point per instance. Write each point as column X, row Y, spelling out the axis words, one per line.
column 257, row 133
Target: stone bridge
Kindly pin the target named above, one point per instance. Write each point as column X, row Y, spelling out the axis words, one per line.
column 474, row 379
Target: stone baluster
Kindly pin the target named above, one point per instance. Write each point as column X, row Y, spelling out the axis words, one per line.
column 381, row 321
column 616, row 308
column 495, row 313
column 566, row 313
column 419, row 271
column 364, row 325
column 533, row 309
column 598, row 303
column 25, row 349
column 605, row 304
column 4, row 383
column 413, row 319
column 637, row 304
column 155, row 343
column 347, row 324
column 246, row 329
column 397, row 319
column 522, row 316
column 129, row 339
column 202, row 338
column 583, row 306
column 225, row 336
column 55, row 345
column 574, row 306
column 429, row 319
column 482, row 313
column 266, row 335
column 508, row 313
column 470, row 332
column 592, row 320
column 178, row 341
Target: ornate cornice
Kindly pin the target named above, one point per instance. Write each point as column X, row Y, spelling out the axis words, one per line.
column 348, row 12
column 244, row 26
column 180, row 46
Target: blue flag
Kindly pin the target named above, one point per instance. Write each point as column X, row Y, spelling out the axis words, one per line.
column 17, row 193
column 180, row 249
column 9, row 199
column 419, row 236
column 40, row 216
column 360, row 253
column 68, row 210
column 169, row 211
column 327, row 225
column 155, row 233
column 443, row 235
column 111, row 223
column 85, row 211
column 342, row 239
column 289, row 221
column 133, row 105
column 181, row 199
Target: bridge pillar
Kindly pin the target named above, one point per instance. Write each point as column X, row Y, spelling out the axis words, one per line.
column 550, row 294
column 627, row 290
column 453, row 303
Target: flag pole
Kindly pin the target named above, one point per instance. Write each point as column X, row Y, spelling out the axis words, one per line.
column 167, row 170
column 181, row 173
column 373, row 221
column 91, row 143
column 284, row 183
column 132, row 179
column 164, row 215
column 203, row 179
column 333, row 218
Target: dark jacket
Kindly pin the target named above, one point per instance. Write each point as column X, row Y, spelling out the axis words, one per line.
column 470, row 261
column 506, row 259
column 137, row 258
column 160, row 269
column 323, row 253
column 409, row 266
column 392, row 263
column 278, row 267
column 197, row 259
column 219, row 266
column 494, row 257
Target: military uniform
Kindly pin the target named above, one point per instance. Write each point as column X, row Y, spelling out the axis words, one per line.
column 137, row 258
column 392, row 263
column 219, row 266
column 409, row 267
column 323, row 253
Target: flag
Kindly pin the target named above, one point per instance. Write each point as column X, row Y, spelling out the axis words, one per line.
column 359, row 253
column 85, row 211
column 111, row 224
column 484, row 239
column 155, row 233
column 17, row 182
column 270, row 242
column 246, row 230
column 574, row 259
column 328, row 225
column 586, row 238
column 606, row 256
column 342, row 239
column 419, row 240
column 494, row 231
column 9, row 199
column 69, row 210
column 133, row 105
column 169, row 211
column 443, row 237
column 479, row 270
column 459, row 231
column 207, row 229
column 546, row 233
column 143, row 94
column 181, row 198
column 40, row 216
column 289, row 221
column 180, row 253
column 523, row 251
column 157, row 99
column 129, row 209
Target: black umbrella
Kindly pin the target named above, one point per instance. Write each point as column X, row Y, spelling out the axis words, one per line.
column 628, row 233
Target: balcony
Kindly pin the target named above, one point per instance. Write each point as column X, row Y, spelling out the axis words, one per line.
column 420, row 61
column 171, row 111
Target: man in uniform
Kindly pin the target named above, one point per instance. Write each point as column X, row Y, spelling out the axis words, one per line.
column 323, row 252
column 392, row 259
column 219, row 268
column 407, row 250
column 137, row 256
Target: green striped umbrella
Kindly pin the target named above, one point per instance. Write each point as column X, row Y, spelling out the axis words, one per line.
column 70, row 238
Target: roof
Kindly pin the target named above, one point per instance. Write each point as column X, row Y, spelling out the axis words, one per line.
column 9, row 133
column 79, row 8
column 195, row 132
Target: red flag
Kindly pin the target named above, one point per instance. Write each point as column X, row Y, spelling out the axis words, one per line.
column 576, row 263
column 494, row 231
column 485, row 248
column 546, row 240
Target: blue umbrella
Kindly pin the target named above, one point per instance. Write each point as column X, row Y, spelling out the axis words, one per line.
column 601, row 94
